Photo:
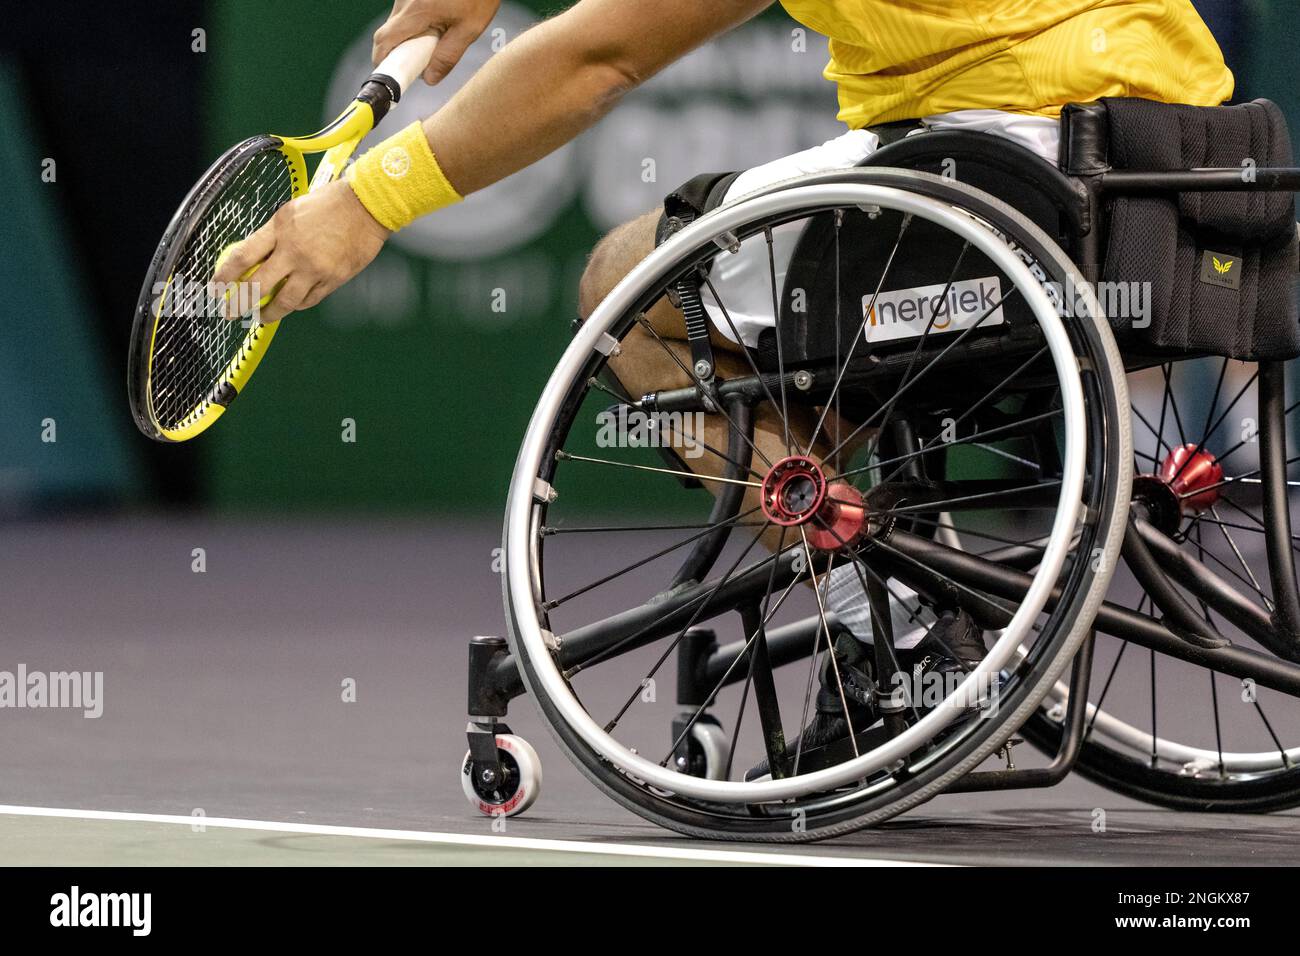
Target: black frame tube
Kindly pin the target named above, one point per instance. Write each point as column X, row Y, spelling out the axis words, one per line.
column 1266, row 179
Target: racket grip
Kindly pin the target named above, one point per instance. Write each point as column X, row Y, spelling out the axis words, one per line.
column 407, row 61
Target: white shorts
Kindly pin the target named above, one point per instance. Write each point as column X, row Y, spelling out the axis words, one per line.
column 743, row 280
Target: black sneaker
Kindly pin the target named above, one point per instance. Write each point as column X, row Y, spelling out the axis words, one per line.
column 829, row 724
column 953, row 644
column 952, row 647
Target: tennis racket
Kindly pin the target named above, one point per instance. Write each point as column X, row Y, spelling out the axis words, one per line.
column 188, row 362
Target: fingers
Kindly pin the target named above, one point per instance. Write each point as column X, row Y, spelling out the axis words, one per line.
column 244, row 298
column 451, row 47
column 235, row 263
column 242, row 256
column 291, row 297
column 317, row 295
column 318, row 242
column 387, row 37
column 398, row 30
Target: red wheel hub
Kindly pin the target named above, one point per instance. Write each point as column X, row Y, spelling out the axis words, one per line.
column 796, row 492
column 1194, row 476
column 793, row 491
column 842, row 520
column 1187, row 483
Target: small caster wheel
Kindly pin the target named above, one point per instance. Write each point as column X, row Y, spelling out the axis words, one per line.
column 705, row 751
column 512, row 791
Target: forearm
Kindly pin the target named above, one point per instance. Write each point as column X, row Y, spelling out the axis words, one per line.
column 538, row 93
column 559, row 78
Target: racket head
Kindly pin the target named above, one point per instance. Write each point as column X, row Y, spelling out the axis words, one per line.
column 187, row 362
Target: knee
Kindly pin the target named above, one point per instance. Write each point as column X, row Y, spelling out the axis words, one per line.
column 613, row 258
column 597, row 279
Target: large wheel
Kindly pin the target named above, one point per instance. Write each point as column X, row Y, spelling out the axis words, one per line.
column 1160, row 729
column 1013, row 449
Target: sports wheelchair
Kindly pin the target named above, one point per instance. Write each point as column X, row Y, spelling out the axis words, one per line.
column 1109, row 497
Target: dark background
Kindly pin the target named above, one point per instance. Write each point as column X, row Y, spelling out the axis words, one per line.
column 419, row 352
column 374, row 561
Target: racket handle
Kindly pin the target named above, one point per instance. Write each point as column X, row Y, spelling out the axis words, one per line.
column 407, row 62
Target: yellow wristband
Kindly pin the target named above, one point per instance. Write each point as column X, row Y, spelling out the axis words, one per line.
column 399, row 180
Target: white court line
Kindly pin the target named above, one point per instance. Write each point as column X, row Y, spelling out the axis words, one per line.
column 463, row 839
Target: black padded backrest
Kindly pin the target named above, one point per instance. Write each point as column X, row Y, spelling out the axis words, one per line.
column 1179, row 243
column 926, row 255
column 1000, row 167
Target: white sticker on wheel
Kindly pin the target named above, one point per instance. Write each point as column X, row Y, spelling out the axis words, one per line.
column 905, row 313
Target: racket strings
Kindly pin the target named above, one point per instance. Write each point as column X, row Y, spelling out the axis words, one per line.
column 193, row 342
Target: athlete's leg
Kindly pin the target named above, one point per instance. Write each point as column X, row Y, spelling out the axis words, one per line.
column 658, row 359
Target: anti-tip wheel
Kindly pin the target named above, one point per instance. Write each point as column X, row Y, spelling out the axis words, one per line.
column 517, row 786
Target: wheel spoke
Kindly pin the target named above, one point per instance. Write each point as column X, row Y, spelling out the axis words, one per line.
column 977, row 595
column 1173, row 403
column 1008, row 456
column 1210, row 430
column 969, row 439
column 1254, row 582
column 920, row 345
column 1281, row 751
column 695, row 379
column 701, row 600
column 1160, row 439
column 673, row 430
column 958, row 340
column 1024, row 543
column 777, row 407
column 552, row 605
column 1154, row 752
column 839, row 328
column 695, row 615
column 1114, row 667
column 548, row 530
column 749, row 677
column 826, row 630
column 946, row 503
column 877, row 624
column 853, row 346
column 568, row 456
column 1218, row 728
column 722, row 682
column 812, row 673
column 988, row 396
column 780, row 347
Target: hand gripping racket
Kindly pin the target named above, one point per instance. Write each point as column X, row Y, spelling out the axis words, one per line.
column 188, row 362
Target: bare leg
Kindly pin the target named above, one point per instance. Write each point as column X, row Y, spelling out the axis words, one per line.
column 646, row 364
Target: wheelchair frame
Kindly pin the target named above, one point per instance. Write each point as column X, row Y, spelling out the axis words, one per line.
column 703, row 664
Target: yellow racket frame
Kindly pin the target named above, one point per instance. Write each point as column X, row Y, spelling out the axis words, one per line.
column 338, row 141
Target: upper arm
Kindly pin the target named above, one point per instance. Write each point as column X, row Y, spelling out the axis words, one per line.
column 641, row 37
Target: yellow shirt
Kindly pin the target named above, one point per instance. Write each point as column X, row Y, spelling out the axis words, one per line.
column 904, row 59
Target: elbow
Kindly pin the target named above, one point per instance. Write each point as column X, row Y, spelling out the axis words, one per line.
column 610, row 80
column 598, row 66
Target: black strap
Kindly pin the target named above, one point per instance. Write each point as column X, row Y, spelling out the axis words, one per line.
column 891, row 133
column 687, row 291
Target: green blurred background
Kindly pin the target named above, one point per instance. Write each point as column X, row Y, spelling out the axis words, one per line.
column 437, row 352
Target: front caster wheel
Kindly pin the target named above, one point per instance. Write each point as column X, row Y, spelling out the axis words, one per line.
column 706, row 750
column 509, row 790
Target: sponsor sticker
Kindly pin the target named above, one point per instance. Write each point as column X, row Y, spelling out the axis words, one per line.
column 905, row 313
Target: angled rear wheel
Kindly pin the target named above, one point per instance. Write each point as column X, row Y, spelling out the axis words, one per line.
column 989, row 450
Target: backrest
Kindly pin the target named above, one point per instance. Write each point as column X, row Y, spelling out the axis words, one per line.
column 1205, row 272
column 1220, row 266
column 926, row 255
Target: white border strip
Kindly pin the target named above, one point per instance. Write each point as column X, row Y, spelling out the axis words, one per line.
column 774, row 858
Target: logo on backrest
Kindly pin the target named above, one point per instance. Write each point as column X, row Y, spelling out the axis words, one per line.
column 907, row 313
column 1220, row 269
